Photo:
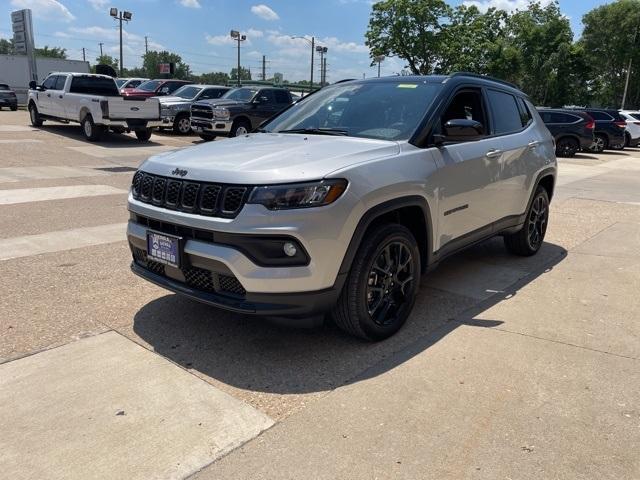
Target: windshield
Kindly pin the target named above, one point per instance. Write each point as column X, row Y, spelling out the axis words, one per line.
column 188, row 92
column 120, row 82
column 149, row 86
column 241, row 94
column 382, row 110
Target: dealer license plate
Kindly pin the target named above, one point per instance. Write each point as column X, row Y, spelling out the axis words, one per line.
column 163, row 248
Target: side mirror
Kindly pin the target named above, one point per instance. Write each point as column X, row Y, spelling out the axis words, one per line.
column 460, row 130
column 33, row 85
column 163, row 91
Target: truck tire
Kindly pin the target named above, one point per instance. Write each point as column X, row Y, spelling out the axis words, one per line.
column 13, row 109
column 207, row 137
column 382, row 285
column 143, row 135
column 182, row 124
column 528, row 240
column 240, row 127
column 36, row 121
column 92, row 132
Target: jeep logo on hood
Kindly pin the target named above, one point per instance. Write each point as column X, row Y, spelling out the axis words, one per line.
column 179, row 172
column 134, row 109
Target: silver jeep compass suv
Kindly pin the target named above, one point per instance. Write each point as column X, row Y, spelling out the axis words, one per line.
column 339, row 203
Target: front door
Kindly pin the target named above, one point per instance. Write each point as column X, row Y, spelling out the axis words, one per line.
column 44, row 98
column 467, row 173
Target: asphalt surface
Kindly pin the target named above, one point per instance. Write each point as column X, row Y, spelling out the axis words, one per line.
column 508, row 368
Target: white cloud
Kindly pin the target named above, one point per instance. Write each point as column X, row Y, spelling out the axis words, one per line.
column 100, row 33
column 506, row 5
column 46, row 9
column 61, row 35
column 295, row 46
column 99, row 5
column 219, row 39
column 190, row 3
column 264, row 12
column 255, row 33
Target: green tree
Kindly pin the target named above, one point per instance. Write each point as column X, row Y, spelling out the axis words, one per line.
column 245, row 74
column 55, row 52
column 105, row 60
column 608, row 42
column 6, row 46
column 152, row 59
column 214, row 78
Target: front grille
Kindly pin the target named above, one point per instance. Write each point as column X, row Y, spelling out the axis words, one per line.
column 201, row 111
column 201, row 198
column 196, row 278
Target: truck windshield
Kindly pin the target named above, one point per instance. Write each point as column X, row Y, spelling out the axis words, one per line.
column 187, row 92
column 381, row 110
column 240, row 94
column 94, row 86
column 149, row 86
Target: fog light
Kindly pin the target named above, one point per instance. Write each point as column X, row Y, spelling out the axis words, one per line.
column 290, row 249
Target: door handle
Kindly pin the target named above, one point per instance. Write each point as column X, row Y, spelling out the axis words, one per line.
column 493, row 153
column 59, row 96
column 533, row 144
column 49, row 95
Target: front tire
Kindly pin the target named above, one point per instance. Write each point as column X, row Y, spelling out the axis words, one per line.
column 529, row 239
column 567, row 147
column 13, row 109
column 36, row 120
column 207, row 138
column 92, row 132
column 182, row 125
column 382, row 285
column 239, row 128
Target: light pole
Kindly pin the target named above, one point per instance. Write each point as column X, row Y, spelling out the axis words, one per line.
column 120, row 16
column 378, row 59
column 311, row 42
column 323, row 66
column 240, row 38
column 626, row 82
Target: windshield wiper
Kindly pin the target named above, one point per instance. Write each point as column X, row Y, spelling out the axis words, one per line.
column 316, row 131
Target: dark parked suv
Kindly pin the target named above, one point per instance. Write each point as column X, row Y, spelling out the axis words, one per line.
column 609, row 130
column 8, row 97
column 571, row 129
column 237, row 112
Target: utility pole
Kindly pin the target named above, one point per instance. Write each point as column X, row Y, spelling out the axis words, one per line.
column 84, row 57
column 378, row 59
column 264, row 68
column 146, row 44
column 240, row 38
column 626, row 82
column 120, row 16
column 101, row 48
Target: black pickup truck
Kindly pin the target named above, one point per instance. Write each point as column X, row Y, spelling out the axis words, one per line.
column 238, row 112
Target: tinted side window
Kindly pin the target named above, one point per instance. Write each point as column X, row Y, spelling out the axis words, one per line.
column 94, row 86
column 282, row 96
column 597, row 115
column 525, row 114
column 62, row 79
column 173, row 86
column 269, row 96
column 50, row 82
column 506, row 116
column 466, row 104
column 212, row 93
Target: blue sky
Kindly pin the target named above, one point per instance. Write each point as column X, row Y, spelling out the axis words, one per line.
column 198, row 30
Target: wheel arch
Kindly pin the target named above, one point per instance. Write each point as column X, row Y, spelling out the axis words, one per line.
column 412, row 211
column 84, row 111
column 243, row 118
column 568, row 135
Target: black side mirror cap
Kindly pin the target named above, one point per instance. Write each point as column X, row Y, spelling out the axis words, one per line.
column 33, row 85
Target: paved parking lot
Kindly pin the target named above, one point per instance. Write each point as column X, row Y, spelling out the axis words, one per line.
column 508, row 368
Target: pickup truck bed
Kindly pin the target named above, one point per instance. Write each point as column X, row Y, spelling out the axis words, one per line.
column 95, row 102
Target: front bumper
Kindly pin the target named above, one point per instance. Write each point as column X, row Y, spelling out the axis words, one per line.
column 211, row 126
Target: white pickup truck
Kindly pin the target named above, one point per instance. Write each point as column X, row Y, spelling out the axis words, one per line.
column 95, row 102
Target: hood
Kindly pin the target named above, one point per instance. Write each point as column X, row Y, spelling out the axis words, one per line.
column 221, row 102
column 269, row 158
column 169, row 99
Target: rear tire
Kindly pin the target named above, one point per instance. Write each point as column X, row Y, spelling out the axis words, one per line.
column 92, row 132
column 13, row 109
column 600, row 143
column 143, row 135
column 382, row 285
column 207, row 138
column 36, row 120
column 182, row 124
column 528, row 240
column 567, row 147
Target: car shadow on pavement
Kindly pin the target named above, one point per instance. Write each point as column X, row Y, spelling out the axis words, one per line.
column 253, row 354
column 73, row 131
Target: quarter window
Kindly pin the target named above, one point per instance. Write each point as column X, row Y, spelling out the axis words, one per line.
column 597, row 115
column 506, row 116
column 525, row 114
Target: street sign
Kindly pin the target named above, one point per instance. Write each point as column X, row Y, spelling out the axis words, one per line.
column 164, row 68
column 17, row 16
column 19, row 37
column 23, row 42
column 20, row 47
column 18, row 26
column 277, row 79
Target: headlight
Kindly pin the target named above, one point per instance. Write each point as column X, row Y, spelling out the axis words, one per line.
column 299, row 195
column 221, row 113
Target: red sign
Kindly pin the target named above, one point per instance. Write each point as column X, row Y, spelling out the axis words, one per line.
column 164, row 67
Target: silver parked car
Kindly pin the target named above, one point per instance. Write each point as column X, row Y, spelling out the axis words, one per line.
column 176, row 108
column 341, row 202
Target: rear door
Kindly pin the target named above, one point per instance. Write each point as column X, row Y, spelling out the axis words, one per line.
column 267, row 107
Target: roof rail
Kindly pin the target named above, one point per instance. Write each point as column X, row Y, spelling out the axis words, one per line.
column 485, row 77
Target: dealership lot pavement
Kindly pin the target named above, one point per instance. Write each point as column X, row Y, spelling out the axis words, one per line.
column 508, row 368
